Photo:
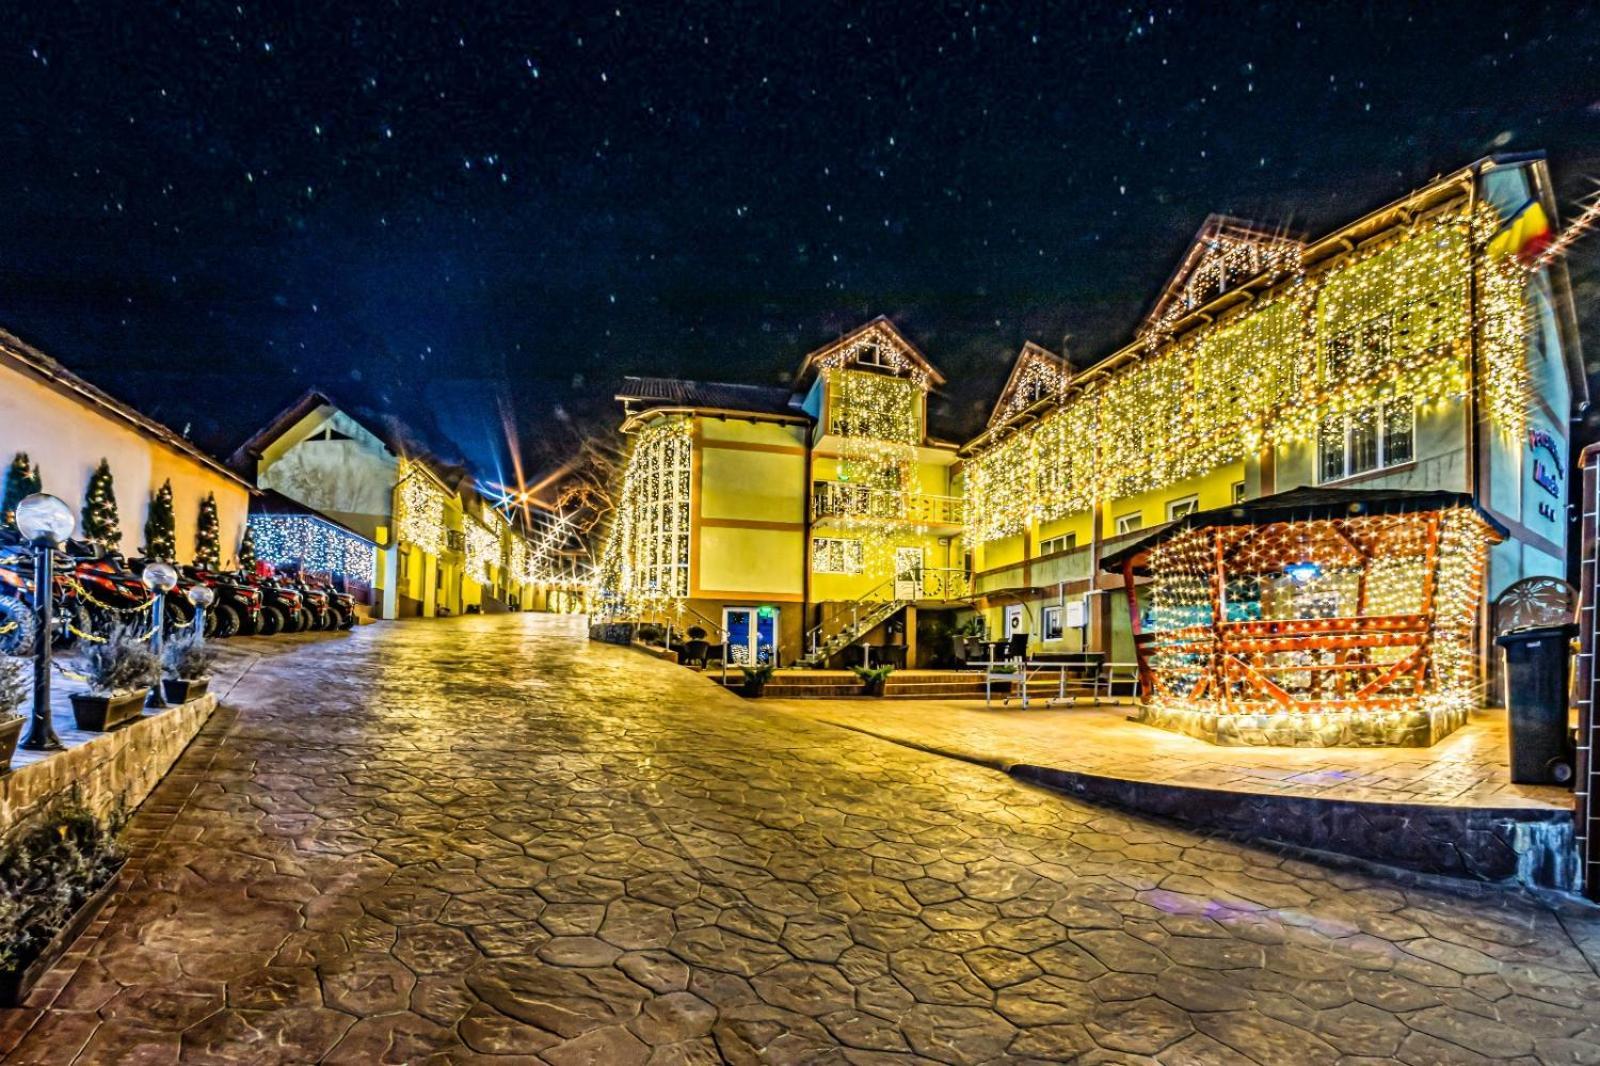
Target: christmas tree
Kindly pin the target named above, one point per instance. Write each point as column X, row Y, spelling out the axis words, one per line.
column 19, row 481
column 208, row 537
column 160, row 531
column 247, row 551
column 100, row 522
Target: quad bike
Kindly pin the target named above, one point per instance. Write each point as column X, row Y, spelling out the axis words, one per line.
column 236, row 611
column 281, row 607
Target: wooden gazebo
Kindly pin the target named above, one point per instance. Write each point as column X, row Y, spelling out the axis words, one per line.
column 1312, row 618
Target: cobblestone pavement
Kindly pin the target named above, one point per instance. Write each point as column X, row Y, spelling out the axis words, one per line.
column 484, row 840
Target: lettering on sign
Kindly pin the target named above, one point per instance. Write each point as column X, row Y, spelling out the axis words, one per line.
column 1549, row 469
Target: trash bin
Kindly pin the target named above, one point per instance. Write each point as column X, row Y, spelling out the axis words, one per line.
column 1536, row 696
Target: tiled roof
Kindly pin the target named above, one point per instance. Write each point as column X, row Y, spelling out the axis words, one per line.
column 646, row 393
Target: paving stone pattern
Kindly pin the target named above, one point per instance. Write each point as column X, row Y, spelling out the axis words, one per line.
column 486, row 840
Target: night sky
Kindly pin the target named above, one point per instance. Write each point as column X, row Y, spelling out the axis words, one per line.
column 453, row 215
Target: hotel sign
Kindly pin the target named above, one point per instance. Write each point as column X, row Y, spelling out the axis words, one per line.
column 1549, row 471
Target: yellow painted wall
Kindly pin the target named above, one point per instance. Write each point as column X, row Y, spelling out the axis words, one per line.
column 67, row 438
column 751, row 485
column 1215, row 489
column 736, row 559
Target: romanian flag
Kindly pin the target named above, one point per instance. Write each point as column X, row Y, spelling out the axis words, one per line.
column 1526, row 235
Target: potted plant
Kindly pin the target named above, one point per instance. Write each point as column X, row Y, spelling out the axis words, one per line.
column 120, row 672
column 188, row 660
column 874, row 679
column 56, row 872
column 755, row 679
column 13, row 690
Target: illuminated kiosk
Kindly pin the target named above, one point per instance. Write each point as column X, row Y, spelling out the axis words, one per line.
column 1312, row 618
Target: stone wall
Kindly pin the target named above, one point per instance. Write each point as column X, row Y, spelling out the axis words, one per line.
column 114, row 769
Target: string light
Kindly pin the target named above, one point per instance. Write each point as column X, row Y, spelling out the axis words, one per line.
column 419, row 509
column 645, row 566
column 1353, row 625
column 1393, row 321
column 315, row 545
column 482, row 549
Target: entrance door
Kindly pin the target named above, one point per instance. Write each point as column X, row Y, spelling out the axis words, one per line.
column 752, row 635
column 908, row 573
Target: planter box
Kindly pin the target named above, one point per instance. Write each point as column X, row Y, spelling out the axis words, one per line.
column 16, row 984
column 10, row 731
column 96, row 714
column 182, row 690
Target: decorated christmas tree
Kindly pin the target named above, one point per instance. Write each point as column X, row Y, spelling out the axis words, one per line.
column 247, row 551
column 19, row 482
column 22, row 481
column 160, row 531
column 208, row 536
column 100, row 522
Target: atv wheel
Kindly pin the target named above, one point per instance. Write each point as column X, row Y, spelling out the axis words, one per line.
column 16, row 627
column 271, row 621
column 227, row 616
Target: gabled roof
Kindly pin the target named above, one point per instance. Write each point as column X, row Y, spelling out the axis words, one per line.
column 1304, row 504
column 389, row 433
column 1037, row 373
column 26, row 356
column 645, row 394
column 879, row 334
column 1225, row 252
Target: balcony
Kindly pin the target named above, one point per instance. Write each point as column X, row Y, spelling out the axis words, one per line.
column 839, row 500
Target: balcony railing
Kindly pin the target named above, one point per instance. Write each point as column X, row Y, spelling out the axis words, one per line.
column 838, row 499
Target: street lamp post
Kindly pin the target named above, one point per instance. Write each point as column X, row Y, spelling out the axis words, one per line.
column 202, row 597
column 44, row 522
column 158, row 578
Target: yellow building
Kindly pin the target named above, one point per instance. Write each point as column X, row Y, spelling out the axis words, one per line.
column 441, row 547
column 790, row 522
column 1413, row 348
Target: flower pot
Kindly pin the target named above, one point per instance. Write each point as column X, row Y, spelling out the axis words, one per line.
column 16, row 984
column 876, row 688
column 753, row 689
column 97, row 713
column 184, row 689
column 10, row 730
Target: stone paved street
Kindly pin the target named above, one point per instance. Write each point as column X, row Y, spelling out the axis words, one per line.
column 486, row 840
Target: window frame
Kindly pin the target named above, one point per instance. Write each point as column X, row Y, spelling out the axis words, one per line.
column 1383, row 444
column 1241, row 491
column 1193, row 502
column 1119, row 520
column 1049, row 631
column 845, row 561
column 1068, row 542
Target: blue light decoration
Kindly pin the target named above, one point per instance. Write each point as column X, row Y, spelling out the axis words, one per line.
column 315, row 544
column 1303, row 573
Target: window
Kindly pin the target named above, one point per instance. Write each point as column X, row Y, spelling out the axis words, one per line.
column 1176, row 509
column 1128, row 523
column 1064, row 543
column 1052, row 623
column 1239, row 492
column 1358, row 351
column 1370, row 438
column 833, row 555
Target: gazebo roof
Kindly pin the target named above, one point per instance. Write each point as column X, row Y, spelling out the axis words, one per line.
column 1304, row 504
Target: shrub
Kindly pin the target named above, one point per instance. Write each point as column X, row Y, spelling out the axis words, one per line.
column 873, row 675
column 188, row 657
column 123, row 663
column 14, row 687
column 48, row 868
column 757, row 675
column 696, row 633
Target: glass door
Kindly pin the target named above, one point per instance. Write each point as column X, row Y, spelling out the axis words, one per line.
column 908, row 573
column 752, row 635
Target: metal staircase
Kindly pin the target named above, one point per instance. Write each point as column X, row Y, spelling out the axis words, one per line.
column 866, row 614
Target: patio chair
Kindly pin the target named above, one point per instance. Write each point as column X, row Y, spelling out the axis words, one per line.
column 1017, row 647
column 694, row 651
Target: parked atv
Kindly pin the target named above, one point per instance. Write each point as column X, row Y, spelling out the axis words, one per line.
column 236, row 611
column 281, row 606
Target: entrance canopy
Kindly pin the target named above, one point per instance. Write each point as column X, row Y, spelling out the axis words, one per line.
column 1314, row 617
